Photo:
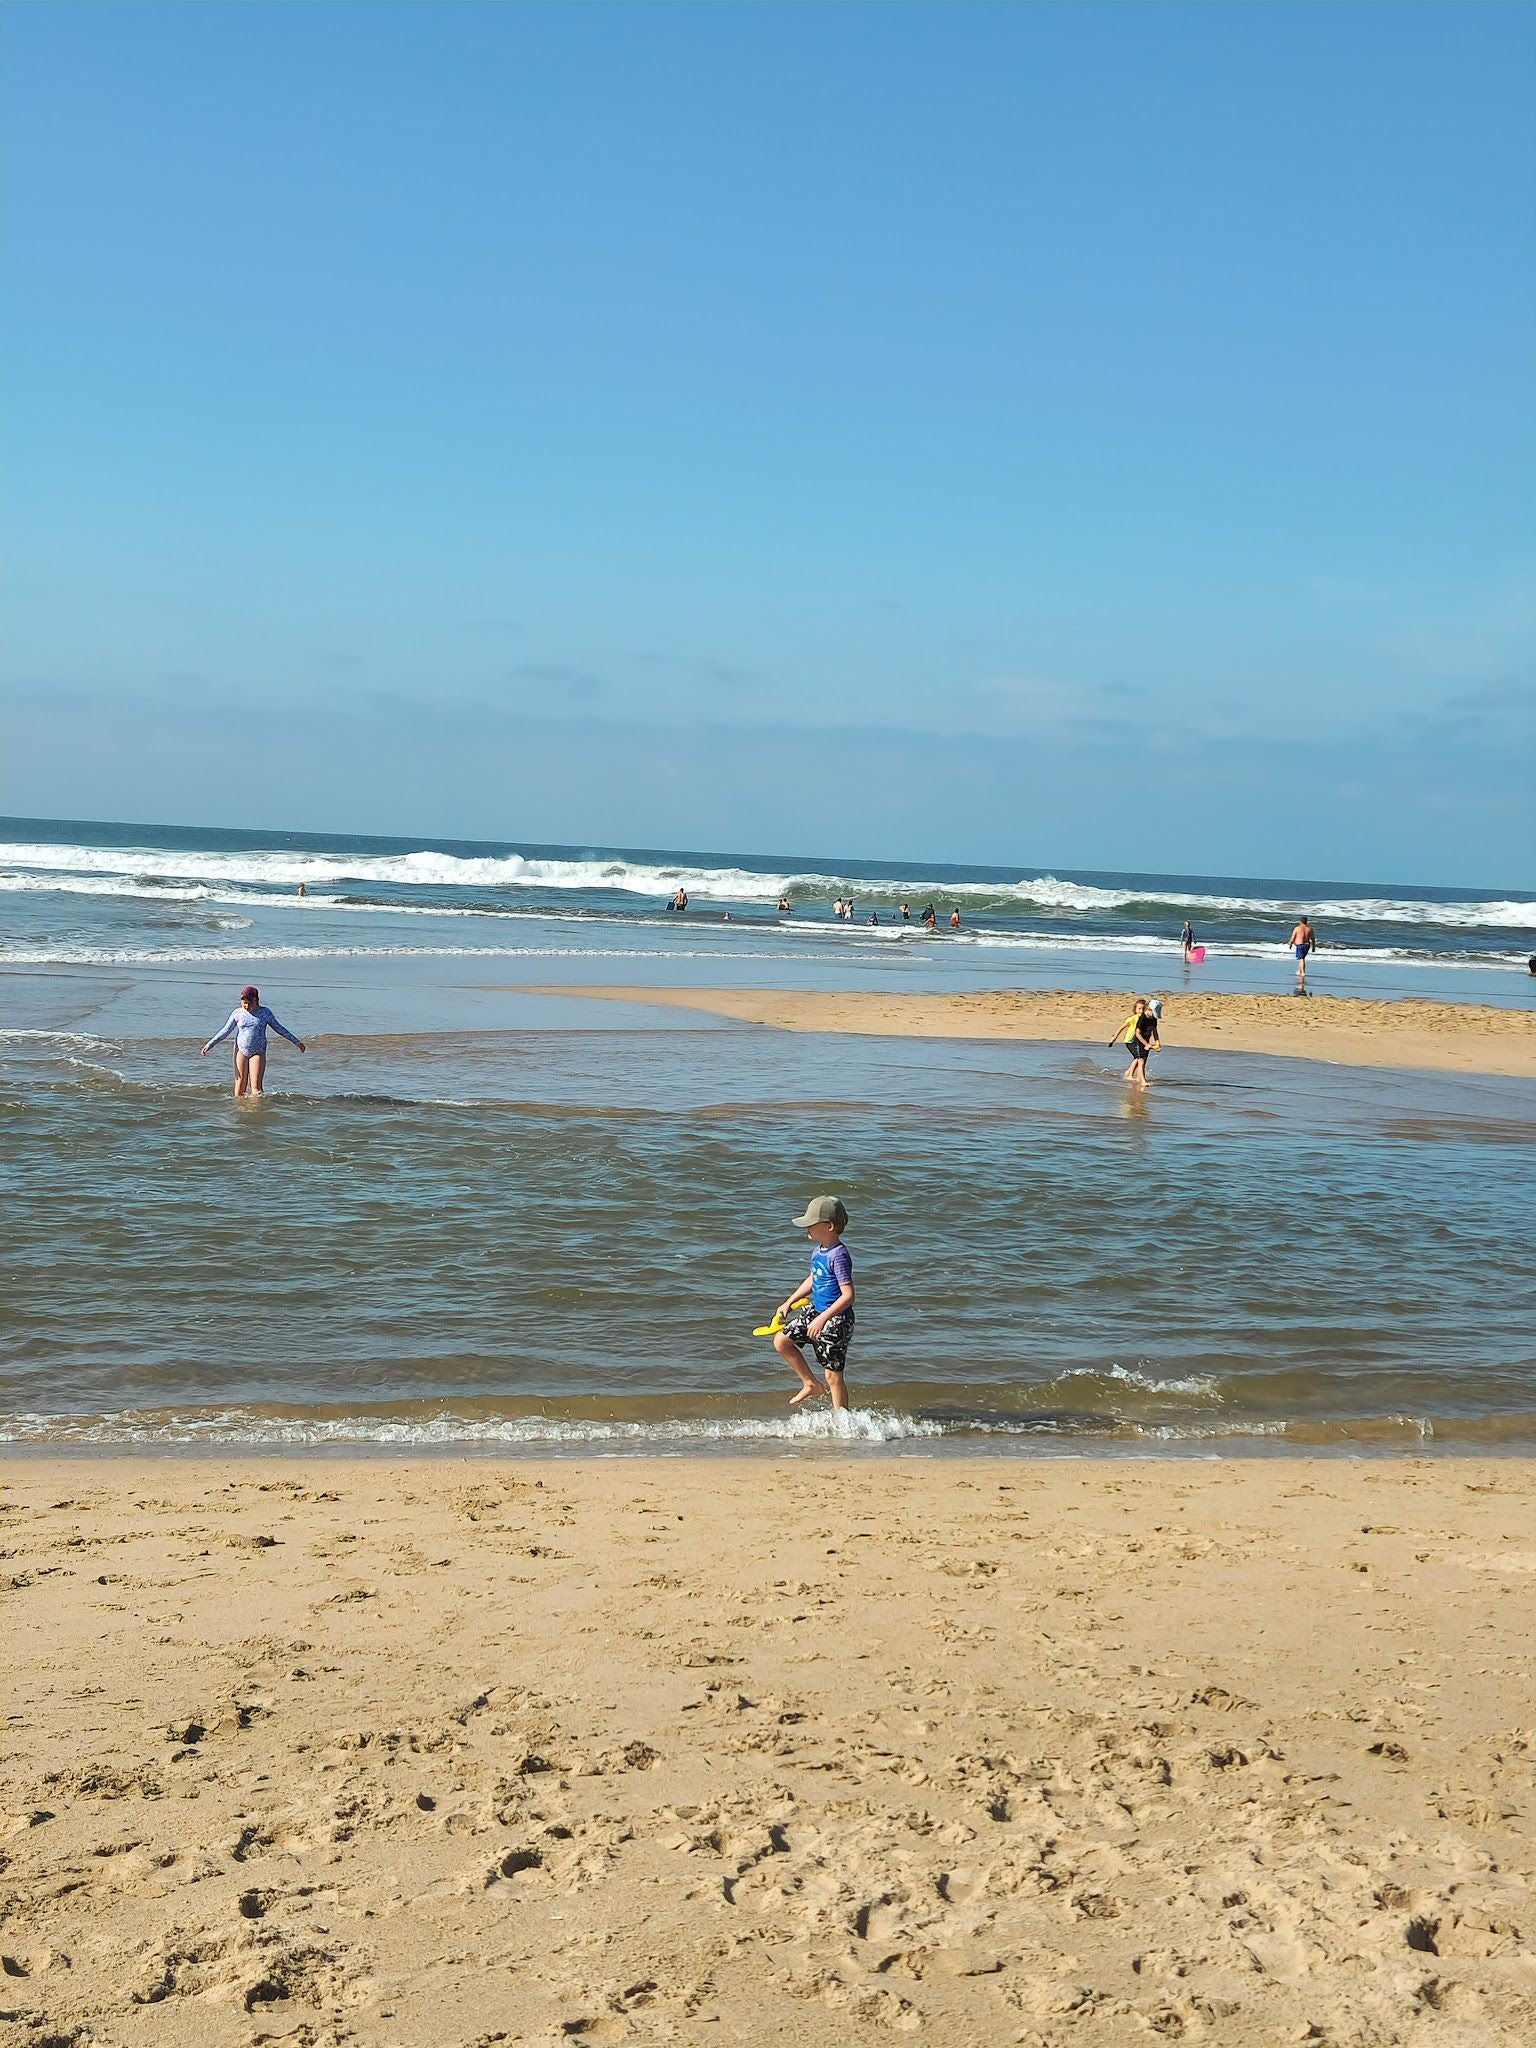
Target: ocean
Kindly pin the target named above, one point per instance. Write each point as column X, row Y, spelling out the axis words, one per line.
column 128, row 895
column 474, row 1215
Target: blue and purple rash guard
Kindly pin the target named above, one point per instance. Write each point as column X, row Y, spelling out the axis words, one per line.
column 251, row 1027
column 831, row 1271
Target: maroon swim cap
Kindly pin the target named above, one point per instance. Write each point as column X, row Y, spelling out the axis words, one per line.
column 250, row 990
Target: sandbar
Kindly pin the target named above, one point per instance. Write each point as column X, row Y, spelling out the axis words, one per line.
column 442, row 1753
column 1469, row 1038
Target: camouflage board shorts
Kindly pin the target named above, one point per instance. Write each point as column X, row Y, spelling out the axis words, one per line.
column 831, row 1347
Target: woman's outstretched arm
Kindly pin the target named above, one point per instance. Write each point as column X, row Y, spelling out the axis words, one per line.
column 234, row 1019
column 283, row 1032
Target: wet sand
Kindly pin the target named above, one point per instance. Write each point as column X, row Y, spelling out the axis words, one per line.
column 440, row 1752
column 1469, row 1038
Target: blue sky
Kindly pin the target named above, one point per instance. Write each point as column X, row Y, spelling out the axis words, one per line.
column 1090, row 435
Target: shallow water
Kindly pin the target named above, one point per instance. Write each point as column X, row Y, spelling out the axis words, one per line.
column 477, row 1214
column 563, row 1236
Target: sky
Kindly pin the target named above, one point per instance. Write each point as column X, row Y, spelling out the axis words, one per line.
column 1084, row 435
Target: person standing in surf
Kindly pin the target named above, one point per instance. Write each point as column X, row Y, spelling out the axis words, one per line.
column 250, row 1023
column 1302, row 942
column 825, row 1321
column 1187, row 940
column 1139, row 1034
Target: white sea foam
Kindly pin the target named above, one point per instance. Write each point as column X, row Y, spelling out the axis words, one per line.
column 44, row 954
column 870, row 1426
column 798, row 932
column 194, row 956
column 1200, row 1386
column 164, row 872
column 72, row 1041
column 153, row 868
column 1151, row 945
column 1299, row 1429
column 852, row 1425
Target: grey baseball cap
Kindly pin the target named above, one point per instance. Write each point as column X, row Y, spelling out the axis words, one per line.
column 823, row 1209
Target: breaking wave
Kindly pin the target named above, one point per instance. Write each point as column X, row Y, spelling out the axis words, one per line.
column 533, row 1432
column 191, row 874
column 246, row 1429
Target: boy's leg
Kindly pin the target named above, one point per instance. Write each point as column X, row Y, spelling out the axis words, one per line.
column 831, row 1356
column 789, row 1351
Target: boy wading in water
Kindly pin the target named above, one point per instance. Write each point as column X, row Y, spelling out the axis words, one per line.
column 826, row 1321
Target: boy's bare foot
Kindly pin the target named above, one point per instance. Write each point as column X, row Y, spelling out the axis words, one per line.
column 805, row 1393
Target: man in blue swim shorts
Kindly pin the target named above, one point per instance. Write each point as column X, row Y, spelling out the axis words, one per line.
column 1302, row 941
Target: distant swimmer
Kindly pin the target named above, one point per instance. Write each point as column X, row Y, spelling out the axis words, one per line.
column 874, row 917
column 1303, row 943
column 783, row 906
column 929, row 918
column 679, row 900
column 250, row 1024
column 825, row 1320
column 954, row 919
column 302, row 890
column 906, row 913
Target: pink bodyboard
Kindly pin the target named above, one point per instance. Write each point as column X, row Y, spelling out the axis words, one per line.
column 1197, row 952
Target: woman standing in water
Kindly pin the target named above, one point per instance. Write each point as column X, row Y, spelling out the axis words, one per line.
column 250, row 1023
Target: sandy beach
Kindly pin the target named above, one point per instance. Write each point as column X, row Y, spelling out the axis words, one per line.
column 1467, row 1038
column 443, row 1752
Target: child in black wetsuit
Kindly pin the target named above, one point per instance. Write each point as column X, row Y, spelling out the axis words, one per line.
column 1139, row 1033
